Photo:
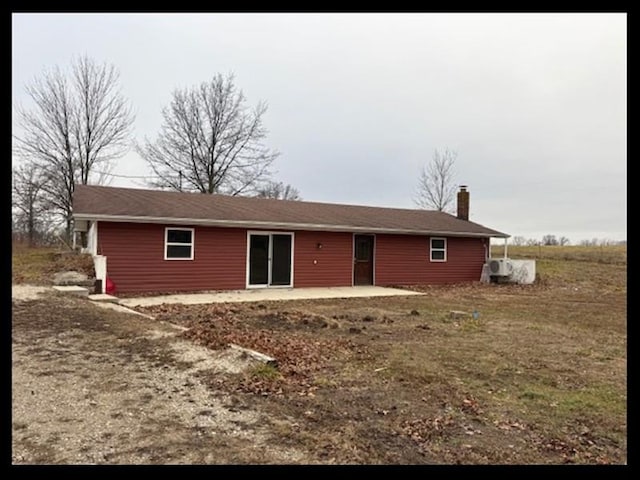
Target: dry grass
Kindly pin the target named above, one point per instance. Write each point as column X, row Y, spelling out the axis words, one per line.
column 538, row 377
column 37, row 265
column 611, row 254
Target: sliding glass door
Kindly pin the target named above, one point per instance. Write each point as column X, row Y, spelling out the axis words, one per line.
column 270, row 259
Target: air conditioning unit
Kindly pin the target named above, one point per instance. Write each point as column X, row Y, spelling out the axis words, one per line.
column 500, row 267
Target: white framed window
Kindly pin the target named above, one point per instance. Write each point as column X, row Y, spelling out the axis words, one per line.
column 438, row 249
column 178, row 243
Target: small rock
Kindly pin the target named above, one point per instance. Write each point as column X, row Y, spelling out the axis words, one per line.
column 367, row 318
column 424, row 326
column 354, row 330
column 415, row 312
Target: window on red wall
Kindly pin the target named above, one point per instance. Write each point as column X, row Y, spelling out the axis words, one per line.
column 178, row 243
column 438, row 249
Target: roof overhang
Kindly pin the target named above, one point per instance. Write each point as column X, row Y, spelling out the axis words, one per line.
column 276, row 225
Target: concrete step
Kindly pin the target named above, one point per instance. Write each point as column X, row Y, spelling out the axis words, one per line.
column 72, row 290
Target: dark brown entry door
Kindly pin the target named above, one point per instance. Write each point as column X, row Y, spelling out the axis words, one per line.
column 363, row 260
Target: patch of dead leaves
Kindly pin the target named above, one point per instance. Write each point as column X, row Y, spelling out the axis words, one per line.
column 299, row 354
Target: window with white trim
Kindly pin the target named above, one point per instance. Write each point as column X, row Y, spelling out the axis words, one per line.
column 178, row 243
column 438, row 250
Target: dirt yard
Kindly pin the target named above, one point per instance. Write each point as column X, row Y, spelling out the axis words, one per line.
column 96, row 386
column 538, row 377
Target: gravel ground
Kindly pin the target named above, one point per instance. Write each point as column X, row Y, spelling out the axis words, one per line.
column 93, row 386
column 27, row 292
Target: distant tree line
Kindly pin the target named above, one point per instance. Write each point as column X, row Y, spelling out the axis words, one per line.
column 79, row 124
column 552, row 240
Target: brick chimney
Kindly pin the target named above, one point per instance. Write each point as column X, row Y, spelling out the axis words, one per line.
column 463, row 203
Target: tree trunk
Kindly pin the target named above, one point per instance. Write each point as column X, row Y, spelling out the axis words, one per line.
column 68, row 231
column 31, row 228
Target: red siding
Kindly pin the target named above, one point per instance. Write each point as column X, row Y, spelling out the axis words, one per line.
column 404, row 260
column 334, row 259
column 135, row 258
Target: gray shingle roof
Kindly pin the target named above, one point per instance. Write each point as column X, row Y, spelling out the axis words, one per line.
column 138, row 205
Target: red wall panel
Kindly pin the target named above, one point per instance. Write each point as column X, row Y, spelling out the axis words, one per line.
column 404, row 260
column 135, row 258
column 334, row 261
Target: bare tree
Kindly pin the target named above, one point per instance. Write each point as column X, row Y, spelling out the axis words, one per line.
column 436, row 189
column 27, row 201
column 210, row 142
column 279, row 191
column 549, row 240
column 78, row 125
column 519, row 241
column 562, row 241
column 532, row 242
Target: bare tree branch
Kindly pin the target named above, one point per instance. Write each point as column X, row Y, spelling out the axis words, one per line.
column 279, row 191
column 210, row 142
column 29, row 210
column 79, row 123
column 518, row 240
column 436, row 188
column 564, row 241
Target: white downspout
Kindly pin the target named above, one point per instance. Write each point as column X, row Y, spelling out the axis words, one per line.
column 505, row 247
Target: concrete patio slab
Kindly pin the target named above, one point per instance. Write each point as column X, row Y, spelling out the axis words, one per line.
column 72, row 290
column 267, row 294
column 121, row 308
column 103, row 297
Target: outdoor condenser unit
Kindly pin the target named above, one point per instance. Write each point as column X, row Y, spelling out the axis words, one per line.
column 500, row 267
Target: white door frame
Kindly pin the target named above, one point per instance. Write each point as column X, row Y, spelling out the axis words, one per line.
column 270, row 234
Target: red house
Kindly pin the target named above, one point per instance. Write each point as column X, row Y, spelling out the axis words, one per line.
column 147, row 240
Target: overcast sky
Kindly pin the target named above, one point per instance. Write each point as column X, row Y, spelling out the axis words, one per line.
column 534, row 104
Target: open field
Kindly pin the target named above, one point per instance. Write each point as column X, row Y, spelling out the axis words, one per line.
column 539, row 377
column 614, row 254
